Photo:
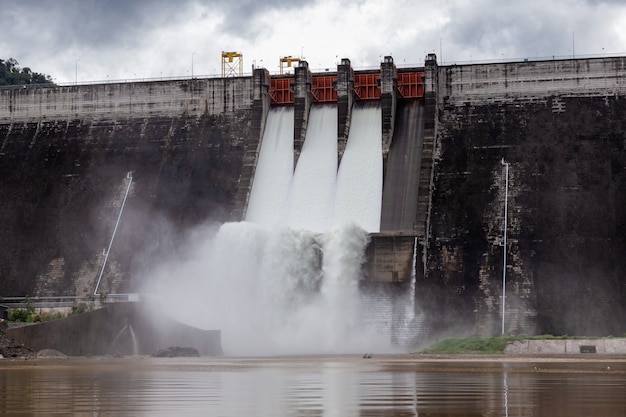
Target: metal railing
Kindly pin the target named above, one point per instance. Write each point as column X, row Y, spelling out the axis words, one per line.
column 443, row 62
column 505, row 60
column 45, row 302
column 66, row 300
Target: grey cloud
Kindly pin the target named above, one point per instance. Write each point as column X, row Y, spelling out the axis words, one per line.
column 98, row 23
column 240, row 14
column 516, row 30
column 596, row 2
column 104, row 35
column 67, row 23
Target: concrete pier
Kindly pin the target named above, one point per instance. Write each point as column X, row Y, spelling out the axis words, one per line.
column 388, row 97
column 260, row 108
column 345, row 99
column 302, row 107
column 429, row 145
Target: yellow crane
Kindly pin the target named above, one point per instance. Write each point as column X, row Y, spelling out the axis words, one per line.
column 232, row 64
column 287, row 61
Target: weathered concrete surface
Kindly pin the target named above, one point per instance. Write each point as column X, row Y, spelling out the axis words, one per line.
column 104, row 332
column 567, row 209
column 63, row 181
column 388, row 100
column 569, row 346
column 258, row 116
column 345, row 99
column 121, row 101
column 532, row 80
column 390, row 257
column 302, row 106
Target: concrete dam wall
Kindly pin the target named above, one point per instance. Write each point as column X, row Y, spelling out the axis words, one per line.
column 561, row 127
column 186, row 151
column 68, row 154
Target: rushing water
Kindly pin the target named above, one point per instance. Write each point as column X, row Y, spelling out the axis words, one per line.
column 319, row 194
column 274, row 170
column 312, row 191
column 312, row 386
column 286, row 280
column 359, row 188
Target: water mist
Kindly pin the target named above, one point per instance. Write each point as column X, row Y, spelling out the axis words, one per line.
column 286, row 280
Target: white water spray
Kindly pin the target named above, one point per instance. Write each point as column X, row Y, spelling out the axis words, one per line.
column 115, row 344
column 280, row 291
column 285, row 281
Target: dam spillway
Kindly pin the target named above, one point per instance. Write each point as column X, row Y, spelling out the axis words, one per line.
column 313, row 186
column 193, row 144
column 319, row 193
column 318, row 212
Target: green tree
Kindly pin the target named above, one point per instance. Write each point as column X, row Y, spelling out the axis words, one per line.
column 12, row 74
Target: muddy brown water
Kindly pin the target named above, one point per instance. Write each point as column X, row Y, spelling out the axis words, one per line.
column 316, row 386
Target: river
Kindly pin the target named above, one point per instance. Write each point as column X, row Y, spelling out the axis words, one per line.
column 315, row 386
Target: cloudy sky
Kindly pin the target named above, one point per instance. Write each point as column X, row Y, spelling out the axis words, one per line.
column 91, row 40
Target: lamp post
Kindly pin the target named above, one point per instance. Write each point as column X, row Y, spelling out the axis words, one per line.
column 192, row 54
column 506, row 207
column 76, row 72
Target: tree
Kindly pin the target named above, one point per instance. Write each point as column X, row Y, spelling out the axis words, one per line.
column 12, row 74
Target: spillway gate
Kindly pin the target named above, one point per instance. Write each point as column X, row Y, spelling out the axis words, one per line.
column 366, row 86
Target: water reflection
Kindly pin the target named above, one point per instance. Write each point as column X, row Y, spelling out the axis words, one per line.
column 506, row 392
column 304, row 386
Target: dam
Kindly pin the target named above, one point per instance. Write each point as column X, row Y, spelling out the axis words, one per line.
column 188, row 155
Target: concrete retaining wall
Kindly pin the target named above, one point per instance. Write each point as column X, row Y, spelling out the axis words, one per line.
column 568, row 346
column 105, row 332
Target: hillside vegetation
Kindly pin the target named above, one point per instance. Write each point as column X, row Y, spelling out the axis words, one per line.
column 12, row 74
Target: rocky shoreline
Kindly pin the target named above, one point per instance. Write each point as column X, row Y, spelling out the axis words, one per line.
column 9, row 348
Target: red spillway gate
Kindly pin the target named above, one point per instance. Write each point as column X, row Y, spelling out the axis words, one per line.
column 366, row 87
column 280, row 91
column 323, row 88
column 410, row 84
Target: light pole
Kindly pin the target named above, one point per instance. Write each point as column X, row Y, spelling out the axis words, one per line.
column 192, row 54
column 506, row 209
column 76, row 72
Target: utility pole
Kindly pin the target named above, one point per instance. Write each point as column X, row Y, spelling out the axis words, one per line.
column 192, row 54
column 506, row 207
